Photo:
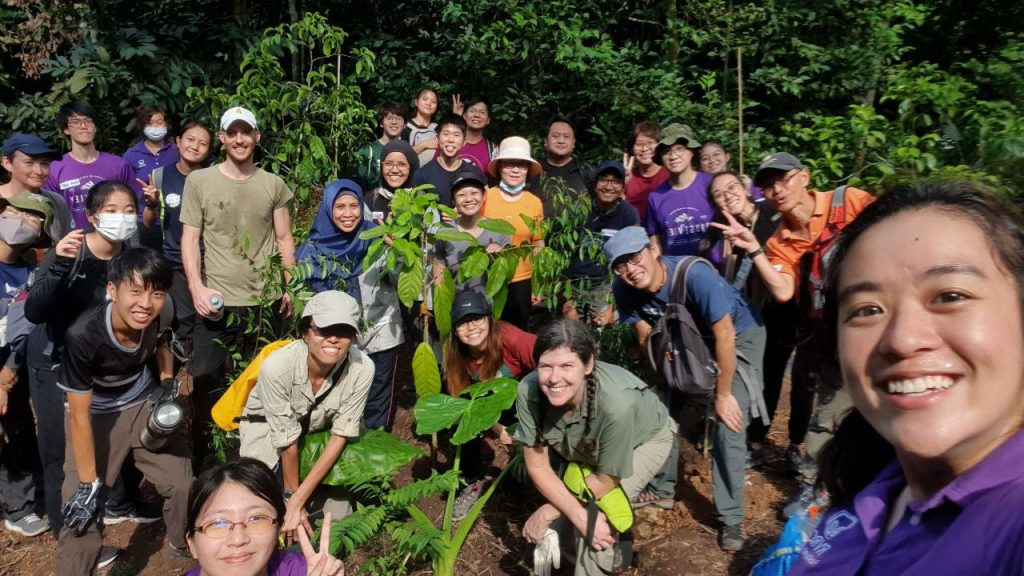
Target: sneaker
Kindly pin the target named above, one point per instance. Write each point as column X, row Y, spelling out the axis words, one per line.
column 730, row 538
column 805, row 497
column 112, row 517
column 107, row 556
column 174, row 553
column 465, row 500
column 755, row 458
column 795, row 459
column 31, row 525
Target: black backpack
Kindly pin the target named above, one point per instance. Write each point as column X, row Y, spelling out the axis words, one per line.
column 676, row 348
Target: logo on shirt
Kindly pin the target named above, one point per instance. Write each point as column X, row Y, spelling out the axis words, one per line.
column 820, row 542
column 173, row 200
column 684, row 218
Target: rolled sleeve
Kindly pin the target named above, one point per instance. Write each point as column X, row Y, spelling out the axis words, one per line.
column 353, row 402
column 526, row 412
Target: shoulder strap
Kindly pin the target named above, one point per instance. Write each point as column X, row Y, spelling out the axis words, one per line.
column 158, row 179
column 837, row 208
column 678, row 293
column 76, row 265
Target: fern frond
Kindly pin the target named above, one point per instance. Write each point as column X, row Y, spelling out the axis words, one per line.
column 435, row 484
column 357, row 528
column 419, row 538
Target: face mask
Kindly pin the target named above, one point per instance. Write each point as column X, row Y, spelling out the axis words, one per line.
column 155, row 133
column 512, row 190
column 16, row 233
column 116, row 227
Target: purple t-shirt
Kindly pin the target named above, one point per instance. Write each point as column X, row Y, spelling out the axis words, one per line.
column 73, row 180
column 478, row 153
column 681, row 217
column 973, row 525
column 143, row 162
column 283, row 563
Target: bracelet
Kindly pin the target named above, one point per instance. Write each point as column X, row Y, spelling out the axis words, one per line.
column 755, row 253
column 288, row 495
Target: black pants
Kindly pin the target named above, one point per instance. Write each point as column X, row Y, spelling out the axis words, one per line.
column 518, row 304
column 213, row 343
column 20, row 472
column 380, row 402
column 48, row 403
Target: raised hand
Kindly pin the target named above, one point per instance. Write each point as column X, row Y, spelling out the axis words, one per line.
column 737, row 233
column 69, row 245
column 320, row 562
column 457, row 106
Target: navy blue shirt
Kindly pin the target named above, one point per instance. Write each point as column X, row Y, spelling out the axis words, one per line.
column 600, row 226
column 173, row 189
column 708, row 298
column 433, row 173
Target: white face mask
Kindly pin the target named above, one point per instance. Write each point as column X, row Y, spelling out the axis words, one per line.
column 116, row 227
column 155, row 133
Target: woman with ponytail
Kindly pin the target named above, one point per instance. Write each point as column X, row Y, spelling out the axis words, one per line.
column 597, row 417
column 925, row 313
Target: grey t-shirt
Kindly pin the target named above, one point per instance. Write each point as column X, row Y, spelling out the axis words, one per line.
column 450, row 253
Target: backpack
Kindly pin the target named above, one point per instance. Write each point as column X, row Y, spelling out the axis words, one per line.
column 227, row 412
column 676, row 348
column 811, row 288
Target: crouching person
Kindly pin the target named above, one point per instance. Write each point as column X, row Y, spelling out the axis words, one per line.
column 111, row 389
column 612, row 432
column 318, row 382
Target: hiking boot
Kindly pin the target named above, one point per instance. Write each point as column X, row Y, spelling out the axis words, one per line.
column 805, row 497
column 465, row 500
column 111, row 517
column 107, row 556
column 31, row 525
column 730, row 538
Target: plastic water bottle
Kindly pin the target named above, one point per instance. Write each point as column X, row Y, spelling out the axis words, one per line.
column 217, row 303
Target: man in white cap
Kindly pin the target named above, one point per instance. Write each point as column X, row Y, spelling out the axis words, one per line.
column 241, row 213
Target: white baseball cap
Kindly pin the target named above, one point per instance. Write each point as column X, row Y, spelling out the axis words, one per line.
column 232, row 115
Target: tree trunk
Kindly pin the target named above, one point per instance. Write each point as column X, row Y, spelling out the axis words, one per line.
column 672, row 44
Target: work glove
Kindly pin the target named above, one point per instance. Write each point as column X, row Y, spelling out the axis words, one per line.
column 167, row 390
column 547, row 555
column 81, row 509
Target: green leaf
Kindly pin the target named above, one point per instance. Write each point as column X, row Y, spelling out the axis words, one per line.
column 455, row 236
column 410, row 283
column 374, row 232
column 437, row 412
column 374, row 253
column 498, row 275
column 473, row 266
column 489, row 400
column 374, row 454
column 498, row 225
column 444, row 296
column 425, row 373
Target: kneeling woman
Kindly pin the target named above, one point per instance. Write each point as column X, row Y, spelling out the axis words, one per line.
column 319, row 382
column 595, row 415
column 234, row 512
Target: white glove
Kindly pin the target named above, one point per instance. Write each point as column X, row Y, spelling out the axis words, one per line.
column 547, row 554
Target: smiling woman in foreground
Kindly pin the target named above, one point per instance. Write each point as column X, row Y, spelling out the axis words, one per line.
column 924, row 473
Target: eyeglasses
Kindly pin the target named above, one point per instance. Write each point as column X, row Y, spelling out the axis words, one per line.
column 609, row 180
column 477, row 322
column 220, row 528
column 675, row 151
column 734, row 189
column 393, row 118
column 80, row 121
column 621, row 266
column 393, row 165
column 12, row 212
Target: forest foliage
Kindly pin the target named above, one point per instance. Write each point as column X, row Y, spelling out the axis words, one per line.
column 865, row 90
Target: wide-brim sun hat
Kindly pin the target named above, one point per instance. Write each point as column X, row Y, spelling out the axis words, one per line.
column 675, row 134
column 513, row 148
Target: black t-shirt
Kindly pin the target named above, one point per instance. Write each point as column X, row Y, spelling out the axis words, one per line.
column 94, row 361
column 433, row 173
column 173, row 193
column 600, row 227
column 576, row 176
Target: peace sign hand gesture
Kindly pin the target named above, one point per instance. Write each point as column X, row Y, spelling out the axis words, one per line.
column 320, row 562
column 737, row 233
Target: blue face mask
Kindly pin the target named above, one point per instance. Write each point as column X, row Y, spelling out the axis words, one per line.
column 512, row 190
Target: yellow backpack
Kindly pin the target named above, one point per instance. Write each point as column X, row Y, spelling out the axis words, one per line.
column 228, row 409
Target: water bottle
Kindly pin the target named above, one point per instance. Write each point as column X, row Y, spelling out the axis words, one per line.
column 217, row 303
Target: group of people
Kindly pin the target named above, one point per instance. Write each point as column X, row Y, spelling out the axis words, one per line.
column 123, row 273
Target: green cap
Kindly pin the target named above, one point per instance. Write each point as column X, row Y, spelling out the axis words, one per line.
column 675, row 134
column 31, row 202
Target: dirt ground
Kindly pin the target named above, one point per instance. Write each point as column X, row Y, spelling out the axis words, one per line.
column 681, row 541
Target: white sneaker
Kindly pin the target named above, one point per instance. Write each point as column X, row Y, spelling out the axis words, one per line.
column 31, row 525
column 107, row 556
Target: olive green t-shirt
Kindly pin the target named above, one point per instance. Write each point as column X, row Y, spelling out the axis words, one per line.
column 236, row 221
column 625, row 414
